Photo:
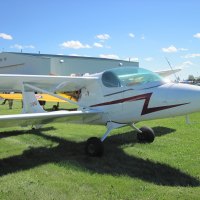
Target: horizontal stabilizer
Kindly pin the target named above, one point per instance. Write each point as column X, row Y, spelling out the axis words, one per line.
column 166, row 73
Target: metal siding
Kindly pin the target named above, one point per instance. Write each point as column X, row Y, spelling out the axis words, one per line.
column 44, row 64
column 84, row 65
column 22, row 64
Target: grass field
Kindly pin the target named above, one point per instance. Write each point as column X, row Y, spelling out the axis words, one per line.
column 51, row 164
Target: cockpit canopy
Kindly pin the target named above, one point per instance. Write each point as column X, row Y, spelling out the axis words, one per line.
column 130, row 76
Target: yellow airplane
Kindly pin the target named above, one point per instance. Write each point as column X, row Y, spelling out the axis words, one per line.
column 39, row 97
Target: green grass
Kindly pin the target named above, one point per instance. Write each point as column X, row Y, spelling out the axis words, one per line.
column 51, row 164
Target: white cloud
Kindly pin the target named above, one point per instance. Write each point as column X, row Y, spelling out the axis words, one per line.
column 131, row 35
column 18, row 46
column 185, row 64
column 79, row 55
column 134, row 59
column 170, row 49
column 98, row 45
column 110, row 56
column 75, row 45
column 148, row 59
column 193, row 55
column 173, row 49
column 6, row 36
column 197, row 35
column 74, row 54
column 182, row 49
column 103, row 36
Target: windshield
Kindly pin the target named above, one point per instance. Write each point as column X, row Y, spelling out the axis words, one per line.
column 129, row 76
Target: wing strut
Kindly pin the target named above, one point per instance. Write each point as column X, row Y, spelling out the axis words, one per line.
column 30, row 103
column 110, row 127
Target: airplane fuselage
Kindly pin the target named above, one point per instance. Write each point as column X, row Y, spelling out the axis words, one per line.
column 124, row 95
column 127, row 104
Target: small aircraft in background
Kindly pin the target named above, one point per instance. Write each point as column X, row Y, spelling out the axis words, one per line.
column 42, row 98
column 39, row 97
column 114, row 98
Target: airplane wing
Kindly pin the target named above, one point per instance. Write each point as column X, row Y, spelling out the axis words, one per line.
column 34, row 113
column 32, row 119
column 166, row 73
column 13, row 82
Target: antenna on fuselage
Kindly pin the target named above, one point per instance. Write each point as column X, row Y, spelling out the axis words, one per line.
column 176, row 78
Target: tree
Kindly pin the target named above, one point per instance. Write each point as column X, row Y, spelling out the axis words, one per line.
column 191, row 78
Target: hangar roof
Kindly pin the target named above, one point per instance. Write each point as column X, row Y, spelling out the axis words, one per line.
column 67, row 56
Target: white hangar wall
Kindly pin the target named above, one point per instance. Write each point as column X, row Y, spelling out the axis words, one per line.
column 73, row 65
column 44, row 64
column 16, row 63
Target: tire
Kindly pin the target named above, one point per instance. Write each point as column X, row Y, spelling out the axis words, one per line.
column 55, row 108
column 147, row 135
column 94, row 147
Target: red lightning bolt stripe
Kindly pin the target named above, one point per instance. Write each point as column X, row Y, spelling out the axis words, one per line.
column 145, row 109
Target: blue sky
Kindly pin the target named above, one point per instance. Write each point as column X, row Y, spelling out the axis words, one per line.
column 142, row 30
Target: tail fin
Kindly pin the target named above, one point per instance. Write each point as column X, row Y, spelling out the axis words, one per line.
column 30, row 103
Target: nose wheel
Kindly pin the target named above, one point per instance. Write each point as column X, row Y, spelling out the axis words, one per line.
column 146, row 135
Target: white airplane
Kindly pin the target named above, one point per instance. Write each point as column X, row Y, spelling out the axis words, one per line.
column 114, row 98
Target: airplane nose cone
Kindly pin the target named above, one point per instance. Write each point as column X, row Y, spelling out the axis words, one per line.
column 187, row 96
column 188, row 92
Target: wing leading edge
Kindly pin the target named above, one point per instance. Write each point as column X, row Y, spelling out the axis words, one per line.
column 31, row 119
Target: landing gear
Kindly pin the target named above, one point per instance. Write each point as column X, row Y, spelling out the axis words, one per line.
column 55, row 107
column 94, row 147
column 146, row 135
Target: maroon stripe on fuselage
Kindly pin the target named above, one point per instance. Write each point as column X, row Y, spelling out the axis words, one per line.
column 145, row 109
column 134, row 98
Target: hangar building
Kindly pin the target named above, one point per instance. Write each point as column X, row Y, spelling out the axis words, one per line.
column 45, row 64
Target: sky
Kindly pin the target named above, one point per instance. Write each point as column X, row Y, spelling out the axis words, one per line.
column 148, row 31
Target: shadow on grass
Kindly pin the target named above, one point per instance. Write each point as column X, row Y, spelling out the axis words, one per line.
column 160, row 131
column 6, row 134
column 114, row 162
